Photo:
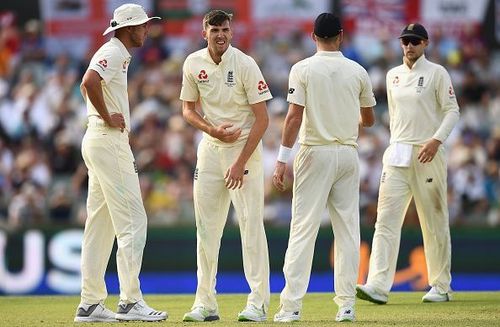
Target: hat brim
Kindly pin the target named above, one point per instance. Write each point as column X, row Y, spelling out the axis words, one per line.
column 412, row 35
column 129, row 23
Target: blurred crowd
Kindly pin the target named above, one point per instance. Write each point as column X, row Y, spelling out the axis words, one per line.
column 43, row 118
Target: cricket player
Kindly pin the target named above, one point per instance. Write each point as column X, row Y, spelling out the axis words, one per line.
column 423, row 110
column 233, row 117
column 114, row 203
column 330, row 96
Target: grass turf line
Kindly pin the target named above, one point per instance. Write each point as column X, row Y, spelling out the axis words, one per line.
column 403, row 309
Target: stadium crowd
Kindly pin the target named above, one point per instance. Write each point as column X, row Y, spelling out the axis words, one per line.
column 43, row 119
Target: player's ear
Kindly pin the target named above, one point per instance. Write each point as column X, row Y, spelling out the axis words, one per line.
column 204, row 33
column 313, row 36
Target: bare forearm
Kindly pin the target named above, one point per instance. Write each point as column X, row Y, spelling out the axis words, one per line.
column 196, row 120
column 367, row 117
column 96, row 97
column 291, row 127
column 290, row 131
column 256, row 132
column 91, row 89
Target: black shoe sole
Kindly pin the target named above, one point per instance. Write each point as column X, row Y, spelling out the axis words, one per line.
column 363, row 296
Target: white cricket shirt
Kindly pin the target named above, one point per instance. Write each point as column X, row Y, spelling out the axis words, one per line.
column 332, row 89
column 419, row 99
column 111, row 62
column 225, row 90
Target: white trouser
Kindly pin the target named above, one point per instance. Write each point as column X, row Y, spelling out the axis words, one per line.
column 211, row 203
column 114, row 208
column 427, row 184
column 324, row 176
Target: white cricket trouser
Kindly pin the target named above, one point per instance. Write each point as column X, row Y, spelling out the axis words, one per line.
column 211, row 204
column 324, row 176
column 427, row 184
column 114, row 208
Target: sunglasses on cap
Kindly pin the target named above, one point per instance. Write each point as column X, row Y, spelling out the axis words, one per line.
column 413, row 40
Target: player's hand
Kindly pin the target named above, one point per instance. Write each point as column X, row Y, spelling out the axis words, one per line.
column 234, row 176
column 226, row 133
column 279, row 176
column 428, row 151
column 117, row 121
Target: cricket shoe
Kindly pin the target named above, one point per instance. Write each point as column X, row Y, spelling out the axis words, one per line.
column 138, row 311
column 199, row 313
column 94, row 313
column 368, row 293
column 434, row 296
column 252, row 313
column 345, row 314
column 287, row 316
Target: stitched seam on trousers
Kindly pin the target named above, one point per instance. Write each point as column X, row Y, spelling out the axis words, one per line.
column 118, row 149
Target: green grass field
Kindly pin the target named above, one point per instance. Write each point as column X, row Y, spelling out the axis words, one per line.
column 403, row 309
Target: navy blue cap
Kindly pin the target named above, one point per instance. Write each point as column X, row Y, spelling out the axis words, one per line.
column 415, row 30
column 327, row 25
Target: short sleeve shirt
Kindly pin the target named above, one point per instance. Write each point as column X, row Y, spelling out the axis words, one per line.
column 332, row 90
column 111, row 62
column 418, row 99
column 225, row 90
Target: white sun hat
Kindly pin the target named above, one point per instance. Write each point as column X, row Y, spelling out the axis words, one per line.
column 128, row 14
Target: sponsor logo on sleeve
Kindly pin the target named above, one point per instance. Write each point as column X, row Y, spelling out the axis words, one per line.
column 203, row 77
column 262, row 87
column 103, row 64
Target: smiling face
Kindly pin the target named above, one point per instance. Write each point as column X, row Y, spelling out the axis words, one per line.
column 218, row 38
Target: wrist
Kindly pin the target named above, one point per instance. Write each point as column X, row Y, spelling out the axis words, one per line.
column 284, row 154
column 210, row 131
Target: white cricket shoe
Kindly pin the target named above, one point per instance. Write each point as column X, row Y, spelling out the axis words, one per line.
column 94, row 313
column 199, row 313
column 287, row 316
column 345, row 314
column 138, row 311
column 252, row 313
column 368, row 293
column 434, row 296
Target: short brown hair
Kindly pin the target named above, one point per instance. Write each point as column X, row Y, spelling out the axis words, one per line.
column 216, row 18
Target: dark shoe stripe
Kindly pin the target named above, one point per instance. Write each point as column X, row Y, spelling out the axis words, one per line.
column 364, row 296
column 125, row 308
column 86, row 313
